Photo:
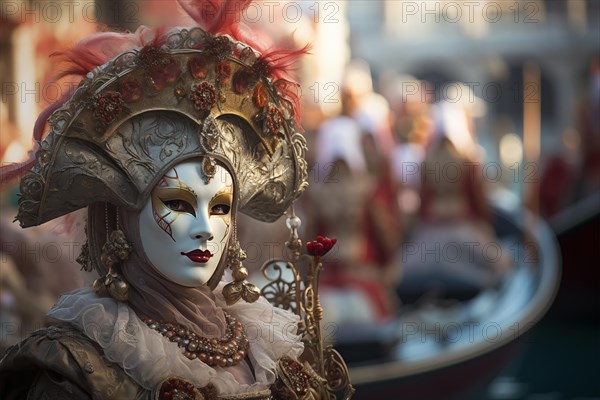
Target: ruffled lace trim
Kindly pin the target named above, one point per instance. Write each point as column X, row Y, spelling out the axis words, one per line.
column 149, row 358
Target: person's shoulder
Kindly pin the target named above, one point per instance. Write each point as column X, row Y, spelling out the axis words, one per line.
column 62, row 359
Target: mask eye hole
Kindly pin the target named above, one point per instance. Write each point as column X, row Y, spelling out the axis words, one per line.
column 220, row 209
column 181, row 206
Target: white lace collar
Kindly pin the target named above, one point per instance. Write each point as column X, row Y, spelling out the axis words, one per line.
column 149, row 358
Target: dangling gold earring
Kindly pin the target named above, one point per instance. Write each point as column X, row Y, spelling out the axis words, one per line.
column 239, row 288
column 115, row 250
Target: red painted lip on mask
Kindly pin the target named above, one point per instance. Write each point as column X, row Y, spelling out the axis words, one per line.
column 198, row 256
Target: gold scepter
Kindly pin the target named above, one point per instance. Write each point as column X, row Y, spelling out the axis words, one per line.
column 300, row 294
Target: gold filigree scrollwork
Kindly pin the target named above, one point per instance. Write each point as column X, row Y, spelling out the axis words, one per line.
column 309, row 306
column 294, row 285
column 281, row 292
column 336, row 371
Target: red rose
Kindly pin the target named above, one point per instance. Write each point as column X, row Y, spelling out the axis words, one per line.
column 321, row 246
column 327, row 242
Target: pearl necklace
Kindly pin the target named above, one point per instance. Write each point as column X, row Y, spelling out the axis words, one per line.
column 223, row 352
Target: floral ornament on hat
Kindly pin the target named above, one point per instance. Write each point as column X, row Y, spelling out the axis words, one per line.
column 204, row 96
column 107, row 108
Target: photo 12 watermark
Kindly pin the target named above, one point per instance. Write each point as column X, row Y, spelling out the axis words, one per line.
column 52, row 12
column 127, row 11
column 470, row 11
column 459, row 252
column 465, row 331
column 468, row 172
column 470, row 92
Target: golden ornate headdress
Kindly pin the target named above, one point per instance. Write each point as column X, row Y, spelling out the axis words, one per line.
column 85, row 158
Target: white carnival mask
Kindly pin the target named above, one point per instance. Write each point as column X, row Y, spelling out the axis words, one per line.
column 186, row 223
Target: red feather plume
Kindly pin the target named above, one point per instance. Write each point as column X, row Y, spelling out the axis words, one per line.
column 214, row 16
column 223, row 17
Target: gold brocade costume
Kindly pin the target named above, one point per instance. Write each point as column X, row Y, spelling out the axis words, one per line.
column 60, row 362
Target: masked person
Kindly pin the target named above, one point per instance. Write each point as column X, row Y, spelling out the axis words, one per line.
column 168, row 136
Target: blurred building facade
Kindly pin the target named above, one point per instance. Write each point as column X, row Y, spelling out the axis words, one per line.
column 484, row 44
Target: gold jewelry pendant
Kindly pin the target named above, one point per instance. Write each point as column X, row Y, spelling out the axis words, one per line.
column 115, row 250
column 239, row 288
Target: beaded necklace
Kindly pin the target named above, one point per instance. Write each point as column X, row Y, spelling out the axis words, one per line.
column 226, row 351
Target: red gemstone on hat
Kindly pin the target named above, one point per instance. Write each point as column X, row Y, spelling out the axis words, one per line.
column 131, row 91
column 223, row 70
column 260, row 95
column 198, row 67
column 171, row 72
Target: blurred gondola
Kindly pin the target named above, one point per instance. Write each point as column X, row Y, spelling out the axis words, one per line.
column 449, row 350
